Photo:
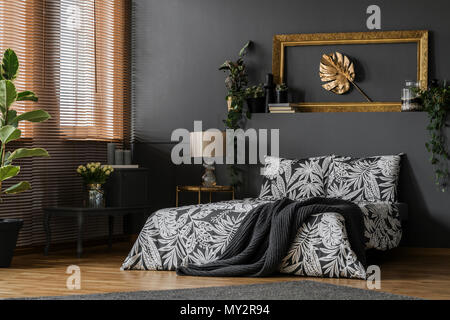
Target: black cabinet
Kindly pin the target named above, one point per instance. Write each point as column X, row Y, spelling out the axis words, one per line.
column 129, row 187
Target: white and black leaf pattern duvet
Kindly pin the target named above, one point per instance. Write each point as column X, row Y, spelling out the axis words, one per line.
column 383, row 230
column 295, row 179
column 327, row 252
column 366, row 179
column 193, row 234
column 199, row 234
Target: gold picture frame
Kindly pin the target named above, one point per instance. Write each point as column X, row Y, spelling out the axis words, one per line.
column 282, row 41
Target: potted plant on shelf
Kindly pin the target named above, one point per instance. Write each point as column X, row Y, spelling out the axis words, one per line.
column 256, row 100
column 235, row 82
column 282, row 93
column 94, row 176
column 9, row 131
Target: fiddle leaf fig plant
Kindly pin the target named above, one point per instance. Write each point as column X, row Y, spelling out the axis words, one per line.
column 10, row 120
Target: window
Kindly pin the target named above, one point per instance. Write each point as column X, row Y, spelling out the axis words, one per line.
column 15, row 33
column 93, row 66
column 75, row 55
column 77, row 64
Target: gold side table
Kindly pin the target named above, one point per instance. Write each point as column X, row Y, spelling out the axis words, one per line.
column 200, row 189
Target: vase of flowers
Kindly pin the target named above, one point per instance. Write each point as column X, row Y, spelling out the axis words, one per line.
column 94, row 176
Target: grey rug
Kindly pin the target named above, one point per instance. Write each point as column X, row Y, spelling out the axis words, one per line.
column 292, row 290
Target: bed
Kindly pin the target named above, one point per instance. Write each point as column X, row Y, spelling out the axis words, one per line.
column 198, row 234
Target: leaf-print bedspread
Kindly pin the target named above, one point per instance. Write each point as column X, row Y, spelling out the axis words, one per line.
column 199, row 234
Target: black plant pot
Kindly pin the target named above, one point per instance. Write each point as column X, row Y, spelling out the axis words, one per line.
column 9, row 231
column 256, row 105
column 282, row 96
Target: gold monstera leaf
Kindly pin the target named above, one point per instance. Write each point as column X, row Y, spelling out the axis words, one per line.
column 338, row 72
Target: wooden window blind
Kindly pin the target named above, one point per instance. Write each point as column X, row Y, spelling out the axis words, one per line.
column 75, row 55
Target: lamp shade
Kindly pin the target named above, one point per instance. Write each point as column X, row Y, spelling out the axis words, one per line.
column 207, row 144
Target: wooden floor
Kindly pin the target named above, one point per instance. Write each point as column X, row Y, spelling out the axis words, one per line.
column 416, row 272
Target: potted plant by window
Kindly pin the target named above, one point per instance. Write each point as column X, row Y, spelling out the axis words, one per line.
column 282, row 93
column 256, row 100
column 9, row 131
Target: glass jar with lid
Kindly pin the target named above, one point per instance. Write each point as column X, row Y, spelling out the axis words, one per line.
column 410, row 96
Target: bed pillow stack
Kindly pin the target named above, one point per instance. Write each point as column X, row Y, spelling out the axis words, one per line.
column 296, row 179
column 370, row 179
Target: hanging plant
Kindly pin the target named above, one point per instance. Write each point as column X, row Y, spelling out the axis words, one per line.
column 436, row 102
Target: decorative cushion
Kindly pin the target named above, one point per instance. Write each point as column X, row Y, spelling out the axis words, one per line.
column 296, row 179
column 364, row 179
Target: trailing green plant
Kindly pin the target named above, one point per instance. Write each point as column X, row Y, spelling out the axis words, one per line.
column 281, row 87
column 436, row 102
column 10, row 120
column 255, row 91
column 235, row 82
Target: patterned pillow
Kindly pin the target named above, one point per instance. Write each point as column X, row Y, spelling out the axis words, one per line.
column 295, row 179
column 364, row 179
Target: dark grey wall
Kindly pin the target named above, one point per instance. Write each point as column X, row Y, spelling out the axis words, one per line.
column 180, row 44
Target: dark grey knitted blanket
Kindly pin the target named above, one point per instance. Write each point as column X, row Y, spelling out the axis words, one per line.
column 265, row 235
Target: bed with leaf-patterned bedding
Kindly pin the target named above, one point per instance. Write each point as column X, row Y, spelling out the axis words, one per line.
column 198, row 234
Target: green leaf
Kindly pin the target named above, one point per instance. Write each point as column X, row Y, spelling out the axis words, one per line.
column 8, row 94
column 19, row 187
column 10, row 65
column 244, row 49
column 26, row 96
column 9, row 133
column 226, row 65
column 7, row 154
column 7, row 172
column 24, row 153
column 11, row 118
column 33, row 116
